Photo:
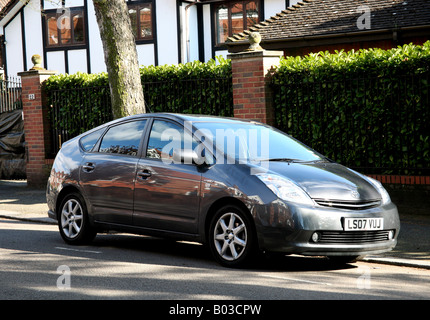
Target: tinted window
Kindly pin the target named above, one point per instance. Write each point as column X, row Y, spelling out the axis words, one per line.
column 123, row 139
column 91, row 139
column 165, row 137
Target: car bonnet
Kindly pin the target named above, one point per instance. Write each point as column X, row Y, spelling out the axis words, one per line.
column 328, row 181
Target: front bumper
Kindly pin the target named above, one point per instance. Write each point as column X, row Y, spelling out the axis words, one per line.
column 288, row 228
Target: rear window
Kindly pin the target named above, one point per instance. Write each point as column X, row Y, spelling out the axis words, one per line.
column 89, row 141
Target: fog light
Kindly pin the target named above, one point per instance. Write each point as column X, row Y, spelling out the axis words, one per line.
column 316, row 236
column 390, row 234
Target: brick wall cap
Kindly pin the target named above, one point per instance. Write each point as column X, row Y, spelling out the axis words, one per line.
column 37, row 72
column 256, row 54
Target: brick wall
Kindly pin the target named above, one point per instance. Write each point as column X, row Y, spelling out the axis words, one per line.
column 252, row 97
column 35, row 126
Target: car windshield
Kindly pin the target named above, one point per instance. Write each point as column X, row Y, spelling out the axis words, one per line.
column 253, row 142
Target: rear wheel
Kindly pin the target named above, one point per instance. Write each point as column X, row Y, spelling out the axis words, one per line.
column 73, row 220
column 232, row 239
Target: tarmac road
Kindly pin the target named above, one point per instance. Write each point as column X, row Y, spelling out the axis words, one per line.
column 17, row 201
column 35, row 264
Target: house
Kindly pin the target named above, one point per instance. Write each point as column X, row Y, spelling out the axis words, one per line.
column 319, row 25
column 65, row 32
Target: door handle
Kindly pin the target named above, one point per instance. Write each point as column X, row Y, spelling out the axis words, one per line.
column 144, row 174
column 88, row 167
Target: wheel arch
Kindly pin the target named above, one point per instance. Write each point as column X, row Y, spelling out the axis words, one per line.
column 222, row 202
column 66, row 190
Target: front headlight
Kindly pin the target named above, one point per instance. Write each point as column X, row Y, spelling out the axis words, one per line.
column 384, row 194
column 285, row 189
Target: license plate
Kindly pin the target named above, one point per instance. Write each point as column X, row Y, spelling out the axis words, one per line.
column 363, row 224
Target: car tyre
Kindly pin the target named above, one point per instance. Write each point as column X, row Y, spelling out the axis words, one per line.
column 232, row 239
column 73, row 221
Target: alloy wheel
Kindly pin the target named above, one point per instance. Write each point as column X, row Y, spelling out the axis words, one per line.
column 230, row 236
column 72, row 217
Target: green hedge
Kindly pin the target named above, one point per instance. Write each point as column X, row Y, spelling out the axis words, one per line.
column 195, row 87
column 368, row 109
column 81, row 101
column 218, row 68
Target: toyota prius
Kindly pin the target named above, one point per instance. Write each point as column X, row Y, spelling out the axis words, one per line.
column 240, row 187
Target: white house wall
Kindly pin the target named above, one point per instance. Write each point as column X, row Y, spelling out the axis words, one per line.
column 189, row 33
column 77, row 60
column 56, row 61
column 55, row 4
column 146, row 54
column 33, row 31
column 207, row 30
column 74, row 3
column 14, row 49
column 272, row 7
column 97, row 59
column 193, row 34
column 167, row 36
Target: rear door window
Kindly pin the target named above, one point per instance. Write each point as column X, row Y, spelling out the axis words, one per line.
column 123, row 139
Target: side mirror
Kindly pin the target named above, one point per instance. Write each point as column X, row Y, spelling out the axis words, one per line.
column 187, row 156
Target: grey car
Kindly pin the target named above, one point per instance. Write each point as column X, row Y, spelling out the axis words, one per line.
column 240, row 187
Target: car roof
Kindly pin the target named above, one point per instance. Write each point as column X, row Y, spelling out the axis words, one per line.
column 172, row 116
column 181, row 117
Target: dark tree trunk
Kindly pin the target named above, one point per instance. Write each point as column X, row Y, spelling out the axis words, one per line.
column 120, row 57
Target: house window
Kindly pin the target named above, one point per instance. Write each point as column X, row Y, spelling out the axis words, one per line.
column 141, row 19
column 234, row 17
column 65, row 28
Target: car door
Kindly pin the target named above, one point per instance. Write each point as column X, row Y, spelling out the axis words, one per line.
column 107, row 174
column 166, row 194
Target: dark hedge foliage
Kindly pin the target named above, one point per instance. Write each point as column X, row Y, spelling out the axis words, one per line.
column 368, row 109
column 81, row 101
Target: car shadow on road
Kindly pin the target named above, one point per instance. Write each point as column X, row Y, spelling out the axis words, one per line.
column 197, row 254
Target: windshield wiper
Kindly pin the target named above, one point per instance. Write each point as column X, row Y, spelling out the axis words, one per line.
column 281, row 159
column 291, row 160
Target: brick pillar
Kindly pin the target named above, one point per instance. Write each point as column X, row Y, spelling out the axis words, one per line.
column 252, row 97
column 35, row 125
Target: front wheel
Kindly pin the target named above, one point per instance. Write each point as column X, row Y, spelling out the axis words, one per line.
column 73, row 220
column 232, row 239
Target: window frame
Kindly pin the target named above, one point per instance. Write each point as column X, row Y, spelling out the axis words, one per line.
column 229, row 5
column 137, row 5
column 74, row 11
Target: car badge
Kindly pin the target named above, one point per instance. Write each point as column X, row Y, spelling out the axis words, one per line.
column 355, row 194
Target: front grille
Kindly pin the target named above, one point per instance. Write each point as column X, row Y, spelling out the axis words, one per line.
column 353, row 237
column 359, row 205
